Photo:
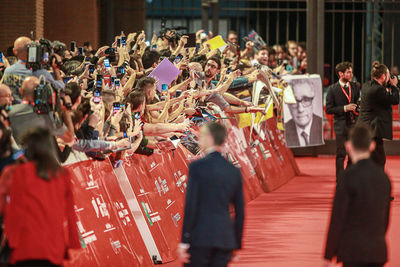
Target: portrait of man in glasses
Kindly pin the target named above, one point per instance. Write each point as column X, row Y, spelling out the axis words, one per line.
column 303, row 122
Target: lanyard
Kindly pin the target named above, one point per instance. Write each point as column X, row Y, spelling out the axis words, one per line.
column 348, row 96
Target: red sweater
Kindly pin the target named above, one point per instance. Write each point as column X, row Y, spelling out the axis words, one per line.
column 36, row 212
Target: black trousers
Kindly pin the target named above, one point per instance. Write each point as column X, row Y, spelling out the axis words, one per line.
column 362, row 264
column 35, row 263
column 208, row 257
column 341, row 156
column 378, row 155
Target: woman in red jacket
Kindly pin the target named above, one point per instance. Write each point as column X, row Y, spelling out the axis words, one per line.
column 37, row 203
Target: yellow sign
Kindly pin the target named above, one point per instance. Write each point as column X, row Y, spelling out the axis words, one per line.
column 244, row 119
column 216, row 42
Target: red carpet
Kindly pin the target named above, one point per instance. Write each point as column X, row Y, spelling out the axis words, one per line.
column 287, row 228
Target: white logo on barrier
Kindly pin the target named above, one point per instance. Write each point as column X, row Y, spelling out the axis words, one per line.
column 89, row 237
column 161, row 186
column 176, row 218
column 100, row 207
column 122, row 213
column 116, row 246
column 91, row 184
column 180, row 181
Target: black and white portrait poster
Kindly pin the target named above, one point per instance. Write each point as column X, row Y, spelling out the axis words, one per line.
column 303, row 115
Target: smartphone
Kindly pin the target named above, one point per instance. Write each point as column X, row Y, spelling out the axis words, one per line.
column 116, row 107
column 154, row 47
column 203, row 35
column 137, row 116
column 164, row 91
column 197, row 47
column 178, row 93
column 80, row 51
column 91, row 69
column 178, row 59
column 1, row 57
column 228, row 71
column 46, row 57
column 107, row 63
column 109, row 51
column 113, row 79
column 118, row 42
column 123, row 40
column 117, row 83
column 147, row 43
column 73, row 46
column 67, row 79
column 96, row 96
column 99, row 81
column 121, row 70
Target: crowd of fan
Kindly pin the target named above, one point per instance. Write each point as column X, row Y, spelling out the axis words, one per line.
column 130, row 113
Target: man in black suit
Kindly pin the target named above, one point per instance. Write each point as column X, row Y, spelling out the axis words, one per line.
column 341, row 100
column 360, row 212
column 377, row 98
column 305, row 127
column 209, row 236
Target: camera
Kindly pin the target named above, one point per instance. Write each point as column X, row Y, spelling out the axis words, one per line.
column 40, row 54
column 47, row 100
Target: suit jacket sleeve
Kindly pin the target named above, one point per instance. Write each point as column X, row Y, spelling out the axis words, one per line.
column 385, row 98
column 338, row 217
column 239, row 212
column 331, row 107
column 388, row 208
column 190, row 205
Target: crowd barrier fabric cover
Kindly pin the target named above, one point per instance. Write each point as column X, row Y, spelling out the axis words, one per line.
column 130, row 214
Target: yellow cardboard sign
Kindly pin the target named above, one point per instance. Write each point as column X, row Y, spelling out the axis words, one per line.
column 216, row 42
column 244, row 119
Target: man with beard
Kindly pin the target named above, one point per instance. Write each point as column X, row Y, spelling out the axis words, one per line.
column 341, row 100
column 378, row 96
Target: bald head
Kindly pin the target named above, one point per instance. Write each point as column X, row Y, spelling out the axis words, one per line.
column 28, row 87
column 20, row 47
column 6, row 97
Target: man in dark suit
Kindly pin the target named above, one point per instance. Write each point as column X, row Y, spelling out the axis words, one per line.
column 341, row 100
column 360, row 212
column 305, row 127
column 377, row 98
column 209, row 236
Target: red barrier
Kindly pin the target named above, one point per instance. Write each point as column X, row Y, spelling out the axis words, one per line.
column 107, row 229
column 131, row 215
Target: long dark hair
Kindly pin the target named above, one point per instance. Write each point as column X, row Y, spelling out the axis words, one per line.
column 39, row 147
column 5, row 140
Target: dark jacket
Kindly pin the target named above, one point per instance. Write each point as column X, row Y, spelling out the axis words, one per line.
column 376, row 108
column 292, row 139
column 214, row 184
column 360, row 215
column 335, row 102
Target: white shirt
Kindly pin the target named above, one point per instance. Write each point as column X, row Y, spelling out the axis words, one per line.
column 307, row 130
column 343, row 84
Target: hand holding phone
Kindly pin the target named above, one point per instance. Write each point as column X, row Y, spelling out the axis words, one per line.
column 96, row 96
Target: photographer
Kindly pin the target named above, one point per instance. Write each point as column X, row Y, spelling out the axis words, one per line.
column 377, row 98
column 23, row 116
column 15, row 74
